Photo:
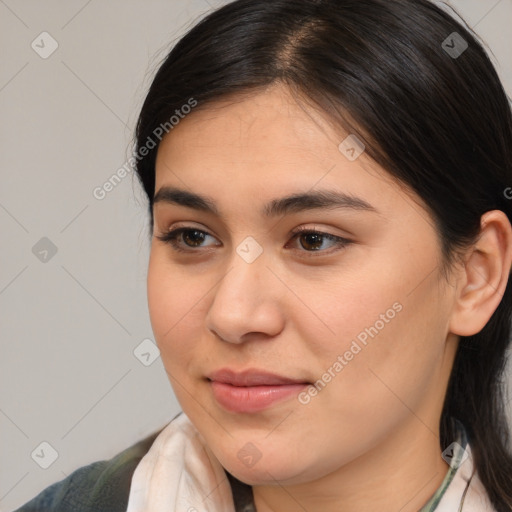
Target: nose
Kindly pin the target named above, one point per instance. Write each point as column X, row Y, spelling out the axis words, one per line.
column 246, row 302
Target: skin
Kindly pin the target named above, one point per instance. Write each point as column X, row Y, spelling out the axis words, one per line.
column 370, row 438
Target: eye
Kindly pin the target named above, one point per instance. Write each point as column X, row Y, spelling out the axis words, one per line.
column 191, row 237
column 186, row 239
column 313, row 240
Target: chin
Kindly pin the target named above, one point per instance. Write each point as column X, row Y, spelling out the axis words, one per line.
column 265, row 472
column 264, row 475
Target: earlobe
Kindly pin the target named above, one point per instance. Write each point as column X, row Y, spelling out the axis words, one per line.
column 485, row 275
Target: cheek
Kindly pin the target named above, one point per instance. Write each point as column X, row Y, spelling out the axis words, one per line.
column 378, row 315
column 388, row 304
column 387, row 346
column 345, row 309
column 175, row 303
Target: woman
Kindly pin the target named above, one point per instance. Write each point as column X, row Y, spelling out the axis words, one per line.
column 328, row 186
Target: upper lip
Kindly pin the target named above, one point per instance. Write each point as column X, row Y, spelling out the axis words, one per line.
column 251, row 377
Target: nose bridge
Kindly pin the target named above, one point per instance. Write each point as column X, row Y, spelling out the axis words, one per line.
column 246, row 274
column 243, row 285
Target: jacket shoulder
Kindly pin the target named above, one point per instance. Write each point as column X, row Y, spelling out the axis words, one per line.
column 100, row 486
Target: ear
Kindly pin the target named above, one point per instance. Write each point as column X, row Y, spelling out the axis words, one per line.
column 484, row 277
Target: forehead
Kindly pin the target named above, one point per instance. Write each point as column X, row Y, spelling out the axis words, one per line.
column 267, row 143
column 264, row 125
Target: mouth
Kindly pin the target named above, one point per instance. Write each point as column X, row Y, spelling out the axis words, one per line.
column 252, row 390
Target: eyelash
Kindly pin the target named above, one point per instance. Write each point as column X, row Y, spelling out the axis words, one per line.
column 171, row 238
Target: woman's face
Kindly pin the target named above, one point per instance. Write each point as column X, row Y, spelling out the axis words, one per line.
column 367, row 319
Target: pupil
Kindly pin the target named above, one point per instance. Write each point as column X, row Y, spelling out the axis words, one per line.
column 197, row 237
column 313, row 239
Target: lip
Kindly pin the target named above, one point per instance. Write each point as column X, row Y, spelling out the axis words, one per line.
column 252, row 390
column 252, row 377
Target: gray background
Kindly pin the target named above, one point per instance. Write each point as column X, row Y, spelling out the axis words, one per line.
column 72, row 320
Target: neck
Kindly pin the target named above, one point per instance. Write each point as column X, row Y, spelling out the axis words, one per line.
column 400, row 474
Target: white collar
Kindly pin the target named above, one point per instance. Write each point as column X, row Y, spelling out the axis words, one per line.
column 179, row 473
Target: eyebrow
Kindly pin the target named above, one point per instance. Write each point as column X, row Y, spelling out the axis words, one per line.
column 294, row 203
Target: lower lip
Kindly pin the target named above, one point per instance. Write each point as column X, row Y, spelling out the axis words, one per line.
column 252, row 398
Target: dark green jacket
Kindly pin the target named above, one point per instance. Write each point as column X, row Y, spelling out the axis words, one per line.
column 102, row 486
